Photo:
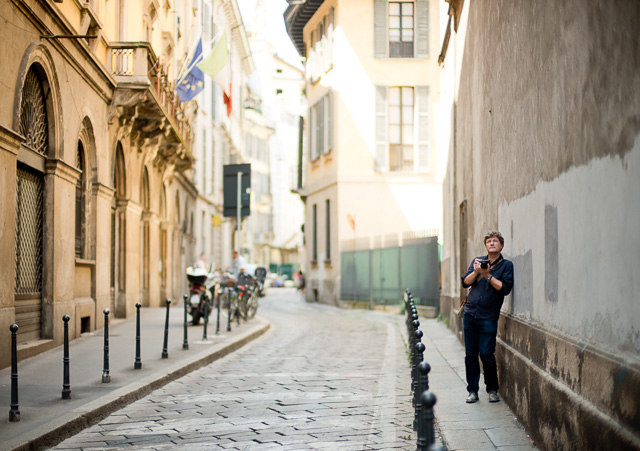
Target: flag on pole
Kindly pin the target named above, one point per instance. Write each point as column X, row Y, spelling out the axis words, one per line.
column 216, row 65
column 192, row 83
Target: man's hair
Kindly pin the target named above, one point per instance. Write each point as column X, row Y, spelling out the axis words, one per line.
column 494, row 234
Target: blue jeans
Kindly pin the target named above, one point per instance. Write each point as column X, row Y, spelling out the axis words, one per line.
column 480, row 340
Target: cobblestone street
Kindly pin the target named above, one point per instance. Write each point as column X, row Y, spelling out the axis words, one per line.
column 320, row 378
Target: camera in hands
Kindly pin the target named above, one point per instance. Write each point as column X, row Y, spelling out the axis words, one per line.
column 484, row 263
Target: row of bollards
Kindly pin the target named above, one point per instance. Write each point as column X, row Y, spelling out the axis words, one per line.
column 14, row 413
column 422, row 399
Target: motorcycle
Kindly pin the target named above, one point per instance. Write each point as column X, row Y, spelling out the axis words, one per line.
column 200, row 301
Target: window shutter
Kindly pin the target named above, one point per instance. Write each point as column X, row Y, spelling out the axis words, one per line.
column 330, row 121
column 422, row 28
column 310, row 126
column 330, row 43
column 321, row 121
column 380, row 28
column 423, row 128
column 381, row 129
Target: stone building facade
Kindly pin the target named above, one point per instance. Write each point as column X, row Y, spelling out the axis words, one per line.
column 96, row 157
column 542, row 99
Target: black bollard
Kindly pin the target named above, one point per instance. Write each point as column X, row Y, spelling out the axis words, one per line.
column 421, row 386
column 138, row 363
column 238, row 309
column 105, row 370
column 165, row 354
column 206, row 320
column 425, row 424
column 229, row 315
column 416, row 358
column 185, row 342
column 14, row 413
column 218, row 315
column 66, row 385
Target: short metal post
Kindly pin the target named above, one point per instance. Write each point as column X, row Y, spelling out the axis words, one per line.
column 66, row 385
column 206, row 320
column 237, row 309
column 425, row 425
column 422, row 385
column 218, row 316
column 105, row 371
column 165, row 354
column 416, row 358
column 14, row 413
column 138, row 363
column 185, row 341
column 229, row 316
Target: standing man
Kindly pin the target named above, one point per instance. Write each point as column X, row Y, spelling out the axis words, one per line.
column 491, row 279
column 239, row 264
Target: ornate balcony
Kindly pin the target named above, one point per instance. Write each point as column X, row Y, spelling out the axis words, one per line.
column 146, row 104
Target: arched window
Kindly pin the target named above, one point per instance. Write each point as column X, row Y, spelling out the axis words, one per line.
column 30, row 210
column 80, row 202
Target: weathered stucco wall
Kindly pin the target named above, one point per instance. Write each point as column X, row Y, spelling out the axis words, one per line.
column 546, row 148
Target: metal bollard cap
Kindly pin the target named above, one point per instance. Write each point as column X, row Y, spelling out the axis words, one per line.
column 138, row 305
column 66, row 318
column 428, row 399
column 13, row 328
column 168, row 301
column 106, row 311
column 420, row 347
column 424, row 368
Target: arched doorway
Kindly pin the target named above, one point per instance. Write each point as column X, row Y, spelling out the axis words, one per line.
column 30, row 212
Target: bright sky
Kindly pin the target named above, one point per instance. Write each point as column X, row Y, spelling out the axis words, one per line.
column 266, row 16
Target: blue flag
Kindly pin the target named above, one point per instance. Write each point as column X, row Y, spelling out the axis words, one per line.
column 192, row 83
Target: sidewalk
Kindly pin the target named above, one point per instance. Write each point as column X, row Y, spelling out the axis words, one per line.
column 479, row 426
column 45, row 418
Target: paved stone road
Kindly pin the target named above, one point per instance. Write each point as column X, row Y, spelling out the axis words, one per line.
column 321, row 378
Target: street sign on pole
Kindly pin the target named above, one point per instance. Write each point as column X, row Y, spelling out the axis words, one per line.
column 232, row 174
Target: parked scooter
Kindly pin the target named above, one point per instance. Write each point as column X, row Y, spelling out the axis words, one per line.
column 200, row 298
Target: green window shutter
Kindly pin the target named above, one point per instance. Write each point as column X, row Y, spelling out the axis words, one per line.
column 422, row 28
column 380, row 28
column 382, row 153
column 423, row 103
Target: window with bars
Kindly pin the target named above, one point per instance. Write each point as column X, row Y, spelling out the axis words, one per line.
column 314, row 253
column 80, row 201
column 401, row 29
column 321, row 126
column 402, row 129
column 328, row 231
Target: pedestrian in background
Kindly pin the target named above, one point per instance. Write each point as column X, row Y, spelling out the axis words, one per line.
column 491, row 279
column 301, row 282
column 239, row 264
column 202, row 262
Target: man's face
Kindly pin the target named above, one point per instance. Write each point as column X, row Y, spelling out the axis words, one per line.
column 235, row 254
column 493, row 244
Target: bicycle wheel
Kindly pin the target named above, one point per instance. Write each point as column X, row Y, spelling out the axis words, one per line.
column 252, row 304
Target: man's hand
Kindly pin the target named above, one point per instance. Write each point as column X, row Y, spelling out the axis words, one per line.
column 484, row 272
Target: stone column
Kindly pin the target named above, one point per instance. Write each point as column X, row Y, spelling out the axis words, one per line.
column 9, row 145
column 59, row 244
